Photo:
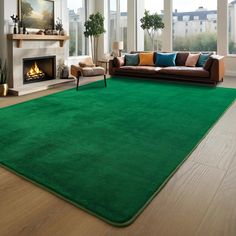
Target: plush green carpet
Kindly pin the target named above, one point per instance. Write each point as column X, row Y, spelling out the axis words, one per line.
column 109, row 150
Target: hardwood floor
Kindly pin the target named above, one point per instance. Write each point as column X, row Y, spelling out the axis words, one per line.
column 198, row 200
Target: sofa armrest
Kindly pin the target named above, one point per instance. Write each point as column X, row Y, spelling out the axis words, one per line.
column 116, row 63
column 217, row 70
column 75, row 71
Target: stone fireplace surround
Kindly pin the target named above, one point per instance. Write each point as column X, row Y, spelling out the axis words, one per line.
column 29, row 50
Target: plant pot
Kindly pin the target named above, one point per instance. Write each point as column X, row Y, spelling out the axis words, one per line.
column 3, row 90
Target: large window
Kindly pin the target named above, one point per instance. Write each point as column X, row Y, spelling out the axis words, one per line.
column 117, row 16
column 194, row 25
column 77, row 16
column 232, row 26
column 156, row 6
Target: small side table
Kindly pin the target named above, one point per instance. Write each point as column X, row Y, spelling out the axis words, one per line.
column 104, row 62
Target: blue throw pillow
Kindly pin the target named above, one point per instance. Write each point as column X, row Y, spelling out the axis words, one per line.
column 202, row 60
column 131, row 59
column 165, row 59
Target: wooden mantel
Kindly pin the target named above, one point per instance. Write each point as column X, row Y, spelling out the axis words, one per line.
column 19, row 38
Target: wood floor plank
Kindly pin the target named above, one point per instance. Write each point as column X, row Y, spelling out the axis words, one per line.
column 218, row 148
column 178, row 209
column 34, row 211
column 220, row 219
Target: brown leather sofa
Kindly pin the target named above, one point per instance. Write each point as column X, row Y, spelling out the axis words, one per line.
column 212, row 72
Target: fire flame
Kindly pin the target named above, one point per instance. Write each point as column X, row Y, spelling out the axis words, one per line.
column 34, row 70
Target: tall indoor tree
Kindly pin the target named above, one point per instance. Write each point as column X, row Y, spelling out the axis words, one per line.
column 151, row 23
column 94, row 27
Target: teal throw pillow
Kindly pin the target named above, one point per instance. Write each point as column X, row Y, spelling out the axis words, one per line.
column 202, row 60
column 131, row 59
column 165, row 59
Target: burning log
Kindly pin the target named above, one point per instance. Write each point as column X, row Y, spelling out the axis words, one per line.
column 35, row 73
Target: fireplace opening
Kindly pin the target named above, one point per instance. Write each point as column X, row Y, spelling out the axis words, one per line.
column 39, row 69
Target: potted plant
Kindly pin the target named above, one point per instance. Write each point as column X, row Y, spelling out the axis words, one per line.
column 15, row 20
column 151, row 23
column 59, row 25
column 94, row 27
column 3, row 79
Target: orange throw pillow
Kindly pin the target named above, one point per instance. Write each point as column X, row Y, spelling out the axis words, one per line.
column 146, row 59
column 192, row 60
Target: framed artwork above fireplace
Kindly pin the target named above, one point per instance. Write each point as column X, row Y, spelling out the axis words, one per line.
column 36, row 14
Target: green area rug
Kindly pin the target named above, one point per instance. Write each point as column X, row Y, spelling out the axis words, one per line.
column 109, row 150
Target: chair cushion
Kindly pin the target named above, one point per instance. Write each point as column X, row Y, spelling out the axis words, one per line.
column 92, row 71
column 146, row 59
column 165, row 59
column 86, row 62
column 82, row 64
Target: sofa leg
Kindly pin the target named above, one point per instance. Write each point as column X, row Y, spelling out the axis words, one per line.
column 105, row 80
column 77, row 86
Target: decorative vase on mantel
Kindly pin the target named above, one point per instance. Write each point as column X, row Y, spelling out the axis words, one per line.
column 15, row 20
column 15, row 28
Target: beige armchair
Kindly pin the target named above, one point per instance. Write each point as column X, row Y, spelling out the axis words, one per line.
column 86, row 68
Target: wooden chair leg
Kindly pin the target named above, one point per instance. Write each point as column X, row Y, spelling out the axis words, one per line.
column 77, row 87
column 105, row 80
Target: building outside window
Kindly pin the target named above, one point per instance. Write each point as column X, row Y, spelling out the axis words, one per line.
column 77, row 15
column 232, row 26
column 117, row 22
column 200, row 34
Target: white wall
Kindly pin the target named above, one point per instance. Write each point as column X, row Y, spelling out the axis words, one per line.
column 132, row 25
column 1, row 28
column 167, row 32
column 9, row 8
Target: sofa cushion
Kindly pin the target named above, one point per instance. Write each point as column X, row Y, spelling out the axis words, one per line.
column 202, row 60
column 208, row 64
column 131, row 59
column 119, row 61
column 140, row 69
column 192, row 60
column 185, row 71
column 181, row 58
column 165, row 59
column 146, row 59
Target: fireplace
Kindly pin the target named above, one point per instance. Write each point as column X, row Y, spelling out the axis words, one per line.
column 39, row 69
